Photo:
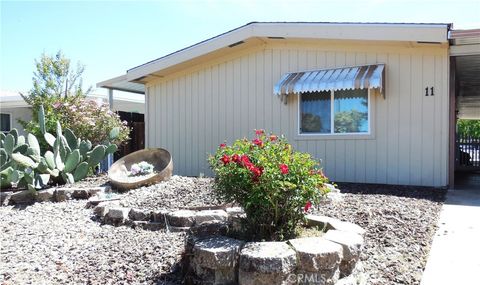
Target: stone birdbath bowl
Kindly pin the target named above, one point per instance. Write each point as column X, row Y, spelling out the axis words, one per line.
column 160, row 158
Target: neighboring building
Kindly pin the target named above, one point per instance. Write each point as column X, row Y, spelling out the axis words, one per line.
column 371, row 101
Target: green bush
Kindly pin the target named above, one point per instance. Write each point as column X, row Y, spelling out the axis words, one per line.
column 86, row 118
column 274, row 184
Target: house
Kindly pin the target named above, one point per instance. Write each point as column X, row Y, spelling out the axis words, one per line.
column 373, row 102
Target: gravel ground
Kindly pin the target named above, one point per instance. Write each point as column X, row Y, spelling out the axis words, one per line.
column 178, row 192
column 59, row 243
column 400, row 222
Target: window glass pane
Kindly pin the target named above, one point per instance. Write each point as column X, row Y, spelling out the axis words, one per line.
column 5, row 122
column 315, row 109
column 351, row 111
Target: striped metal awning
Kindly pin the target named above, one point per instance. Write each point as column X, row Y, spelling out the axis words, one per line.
column 356, row 77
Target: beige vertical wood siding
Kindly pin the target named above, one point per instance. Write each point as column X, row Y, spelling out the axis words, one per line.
column 190, row 113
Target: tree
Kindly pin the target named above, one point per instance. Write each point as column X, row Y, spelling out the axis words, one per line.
column 55, row 78
column 469, row 128
column 349, row 121
column 58, row 88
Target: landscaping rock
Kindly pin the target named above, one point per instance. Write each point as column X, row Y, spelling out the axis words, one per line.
column 316, row 253
column 100, row 210
column 346, row 227
column 266, row 263
column 22, row 197
column 181, row 218
column 45, row 195
column 159, row 216
column 352, row 245
column 209, row 228
column 139, row 215
column 210, row 215
column 234, row 211
column 117, row 216
column 150, row 226
column 318, row 259
column 333, row 224
column 5, row 198
column 318, row 221
column 216, row 259
column 80, row 194
column 63, row 194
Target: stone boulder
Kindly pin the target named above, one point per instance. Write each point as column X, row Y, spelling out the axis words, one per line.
column 266, row 263
column 318, row 259
column 210, row 215
column 215, row 260
column 352, row 244
column 181, row 218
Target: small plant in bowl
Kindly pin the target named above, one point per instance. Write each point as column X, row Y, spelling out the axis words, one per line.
column 141, row 168
column 274, row 184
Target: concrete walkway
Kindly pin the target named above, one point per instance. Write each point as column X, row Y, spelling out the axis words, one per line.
column 455, row 254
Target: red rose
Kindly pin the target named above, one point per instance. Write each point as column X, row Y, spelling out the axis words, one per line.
column 258, row 142
column 257, row 172
column 245, row 160
column 273, row 138
column 222, row 145
column 307, row 207
column 235, row 158
column 225, row 159
column 259, row 132
column 284, row 168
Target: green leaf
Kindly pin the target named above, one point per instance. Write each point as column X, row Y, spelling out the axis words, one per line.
column 71, row 139
column 73, row 160
column 111, row 149
column 21, row 148
column 49, row 138
column 9, row 143
column 59, row 129
column 33, row 142
column 42, row 166
column 24, row 160
column 114, row 133
column 85, row 146
column 41, row 119
column 50, row 159
column 3, row 156
column 14, row 133
column 20, row 140
column 57, row 157
column 6, row 177
column 68, row 178
column 81, row 171
column 54, row 172
column 97, row 155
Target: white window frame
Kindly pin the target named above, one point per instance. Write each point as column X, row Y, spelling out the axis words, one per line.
column 332, row 134
column 11, row 121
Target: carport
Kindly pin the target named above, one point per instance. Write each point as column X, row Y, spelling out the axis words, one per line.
column 464, row 104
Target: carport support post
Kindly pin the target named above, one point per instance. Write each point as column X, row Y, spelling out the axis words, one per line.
column 110, row 104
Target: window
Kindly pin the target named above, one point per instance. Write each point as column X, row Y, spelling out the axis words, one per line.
column 335, row 112
column 5, row 122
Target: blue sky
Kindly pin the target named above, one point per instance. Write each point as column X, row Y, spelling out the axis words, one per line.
column 109, row 37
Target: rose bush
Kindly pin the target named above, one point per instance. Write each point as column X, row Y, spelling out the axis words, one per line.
column 273, row 183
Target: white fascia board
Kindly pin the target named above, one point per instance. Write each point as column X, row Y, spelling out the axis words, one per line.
column 109, row 82
column 338, row 31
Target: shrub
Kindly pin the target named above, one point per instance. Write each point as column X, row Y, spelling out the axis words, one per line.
column 86, row 118
column 274, row 184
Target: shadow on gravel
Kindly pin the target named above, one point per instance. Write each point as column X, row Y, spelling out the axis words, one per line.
column 416, row 192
